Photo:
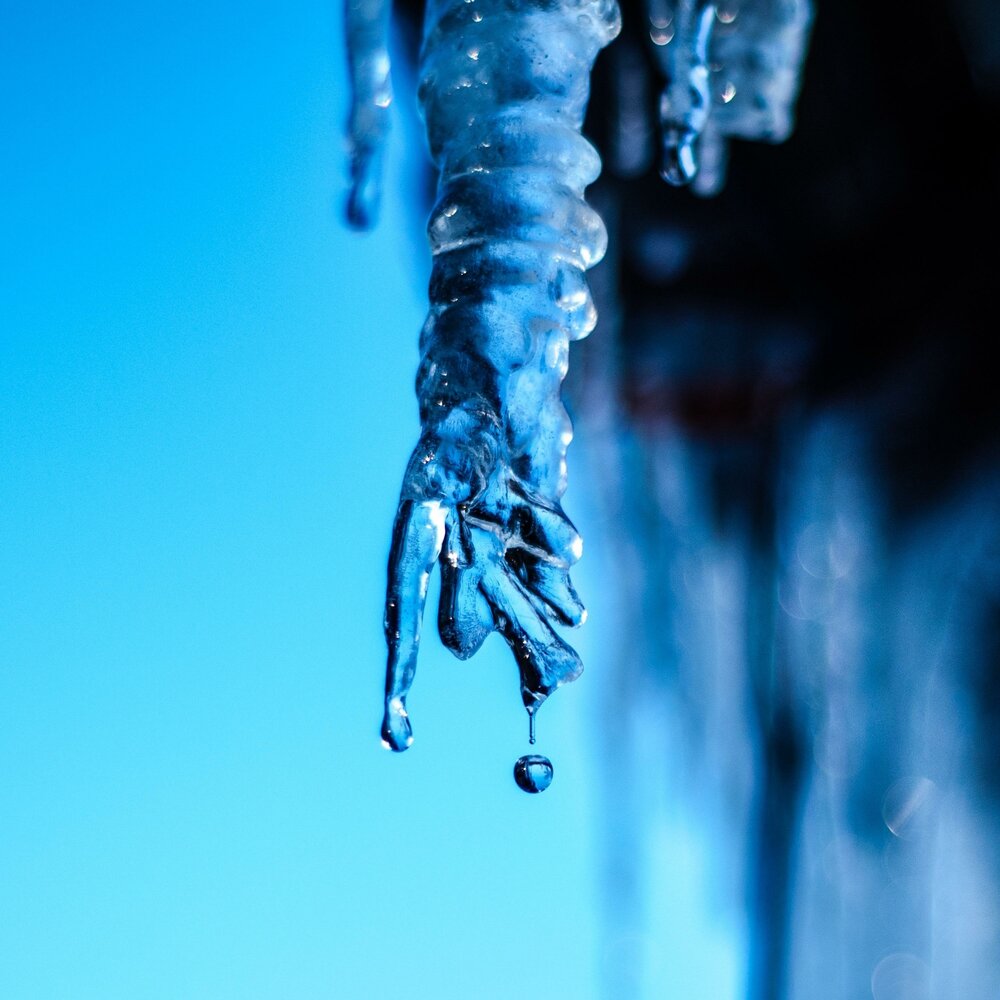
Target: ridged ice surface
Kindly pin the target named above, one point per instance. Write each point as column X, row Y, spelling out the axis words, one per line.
column 733, row 69
column 503, row 89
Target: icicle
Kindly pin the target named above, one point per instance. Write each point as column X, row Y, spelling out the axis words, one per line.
column 686, row 102
column 504, row 86
column 758, row 49
column 733, row 69
column 367, row 28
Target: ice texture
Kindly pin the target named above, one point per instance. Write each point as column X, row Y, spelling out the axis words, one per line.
column 733, row 69
column 367, row 28
column 503, row 89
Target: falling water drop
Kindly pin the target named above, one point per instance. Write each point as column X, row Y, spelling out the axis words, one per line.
column 533, row 773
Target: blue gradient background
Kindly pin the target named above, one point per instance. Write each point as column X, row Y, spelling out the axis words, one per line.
column 207, row 405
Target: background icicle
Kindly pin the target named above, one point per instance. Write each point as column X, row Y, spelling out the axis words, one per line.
column 367, row 29
column 733, row 70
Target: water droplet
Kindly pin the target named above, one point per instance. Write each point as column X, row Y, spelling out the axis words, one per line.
column 533, row 773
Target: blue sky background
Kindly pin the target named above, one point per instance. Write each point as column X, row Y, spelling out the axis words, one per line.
column 206, row 387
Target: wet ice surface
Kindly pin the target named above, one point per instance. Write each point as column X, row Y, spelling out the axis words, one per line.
column 503, row 89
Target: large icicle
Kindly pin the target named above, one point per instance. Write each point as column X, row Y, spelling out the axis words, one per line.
column 504, row 86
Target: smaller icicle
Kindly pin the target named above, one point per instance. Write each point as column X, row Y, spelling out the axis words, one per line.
column 686, row 102
column 367, row 29
column 757, row 53
column 733, row 70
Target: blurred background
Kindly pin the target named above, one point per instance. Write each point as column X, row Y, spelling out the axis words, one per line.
column 779, row 774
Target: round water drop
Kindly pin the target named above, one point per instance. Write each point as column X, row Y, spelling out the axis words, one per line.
column 533, row 773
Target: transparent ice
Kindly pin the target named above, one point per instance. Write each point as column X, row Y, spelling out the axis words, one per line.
column 503, row 90
column 732, row 69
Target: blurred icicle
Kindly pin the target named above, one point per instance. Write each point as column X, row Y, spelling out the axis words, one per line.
column 367, row 29
column 733, row 70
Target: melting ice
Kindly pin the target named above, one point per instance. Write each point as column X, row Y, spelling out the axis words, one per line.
column 503, row 88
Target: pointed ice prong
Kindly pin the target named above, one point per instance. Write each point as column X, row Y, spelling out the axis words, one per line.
column 416, row 541
column 547, row 531
column 397, row 735
column 545, row 661
column 552, row 585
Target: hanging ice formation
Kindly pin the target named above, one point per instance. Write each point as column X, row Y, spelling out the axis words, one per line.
column 366, row 24
column 732, row 70
column 503, row 89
